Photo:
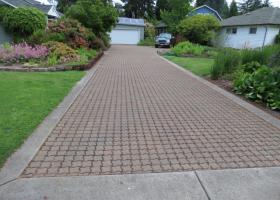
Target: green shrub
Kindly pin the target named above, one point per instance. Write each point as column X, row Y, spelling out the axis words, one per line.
column 226, row 62
column 147, row 42
column 277, row 39
column 251, row 67
column 275, row 59
column 24, row 21
column 3, row 11
column 185, row 48
column 61, row 52
column 199, row 28
column 261, row 85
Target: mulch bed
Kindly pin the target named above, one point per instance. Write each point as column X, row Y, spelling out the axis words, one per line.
column 21, row 68
column 227, row 85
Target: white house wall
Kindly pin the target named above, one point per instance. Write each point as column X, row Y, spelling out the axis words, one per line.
column 242, row 39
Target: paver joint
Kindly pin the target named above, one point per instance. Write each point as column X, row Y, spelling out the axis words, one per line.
column 139, row 114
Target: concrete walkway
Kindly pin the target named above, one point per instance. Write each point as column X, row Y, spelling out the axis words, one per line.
column 135, row 113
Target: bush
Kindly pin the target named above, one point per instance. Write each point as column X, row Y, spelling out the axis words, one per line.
column 61, row 52
column 24, row 21
column 261, row 85
column 277, row 39
column 185, row 48
column 226, row 62
column 3, row 11
column 23, row 52
column 147, row 42
column 251, row 67
column 275, row 59
column 199, row 28
column 64, row 30
column 97, row 43
column 149, row 31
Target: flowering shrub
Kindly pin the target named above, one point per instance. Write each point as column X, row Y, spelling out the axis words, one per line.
column 61, row 51
column 22, row 52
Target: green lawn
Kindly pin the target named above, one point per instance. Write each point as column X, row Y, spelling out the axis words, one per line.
column 199, row 66
column 25, row 100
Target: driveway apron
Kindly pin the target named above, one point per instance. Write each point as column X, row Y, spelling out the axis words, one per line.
column 139, row 114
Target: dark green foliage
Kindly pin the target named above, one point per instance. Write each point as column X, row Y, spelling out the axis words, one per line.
column 251, row 5
column 63, row 5
column 161, row 5
column 139, row 9
column 178, row 11
column 274, row 61
column 261, row 85
column 233, row 10
column 94, row 14
column 147, row 42
column 226, row 62
column 24, row 21
column 199, row 28
column 251, row 67
column 3, row 11
column 277, row 39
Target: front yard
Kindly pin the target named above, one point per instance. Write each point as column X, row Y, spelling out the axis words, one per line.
column 26, row 99
column 199, row 66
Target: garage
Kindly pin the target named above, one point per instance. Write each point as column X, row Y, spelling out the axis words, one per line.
column 128, row 31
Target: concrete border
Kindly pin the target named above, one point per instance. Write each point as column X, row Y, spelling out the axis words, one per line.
column 253, row 109
column 19, row 160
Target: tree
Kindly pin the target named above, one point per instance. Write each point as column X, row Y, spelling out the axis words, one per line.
column 161, row 5
column 251, row 5
column 94, row 14
column 139, row 9
column 199, row 28
column 233, row 10
column 178, row 11
column 63, row 5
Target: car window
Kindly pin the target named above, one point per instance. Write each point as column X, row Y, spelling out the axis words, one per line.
column 166, row 35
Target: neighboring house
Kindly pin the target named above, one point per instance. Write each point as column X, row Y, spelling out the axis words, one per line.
column 48, row 8
column 161, row 27
column 251, row 30
column 205, row 10
column 128, row 31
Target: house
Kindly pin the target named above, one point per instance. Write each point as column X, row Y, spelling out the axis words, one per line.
column 47, row 6
column 205, row 10
column 251, row 30
column 128, row 31
column 161, row 27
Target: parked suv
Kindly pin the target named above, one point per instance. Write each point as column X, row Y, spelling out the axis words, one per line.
column 164, row 40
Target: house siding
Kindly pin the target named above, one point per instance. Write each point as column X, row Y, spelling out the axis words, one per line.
column 204, row 11
column 242, row 39
column 4, row 36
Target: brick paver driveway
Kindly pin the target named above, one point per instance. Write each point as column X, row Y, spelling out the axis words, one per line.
column 140, row 114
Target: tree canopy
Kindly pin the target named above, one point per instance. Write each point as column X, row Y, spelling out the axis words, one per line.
column 233, row 10
column 251, row 5
column 139, row 9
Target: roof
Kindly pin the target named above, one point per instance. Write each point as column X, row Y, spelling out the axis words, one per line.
column 28, row 3
column 161, row 24
column 268, row 15
column 209, row 8
column 131, row 21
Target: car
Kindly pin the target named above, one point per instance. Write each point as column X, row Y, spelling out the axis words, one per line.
column 164, row 40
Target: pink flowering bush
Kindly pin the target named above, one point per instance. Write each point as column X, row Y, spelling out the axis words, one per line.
column 22, row 52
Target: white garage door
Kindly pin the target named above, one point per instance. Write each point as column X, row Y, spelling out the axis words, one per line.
column 123, row 36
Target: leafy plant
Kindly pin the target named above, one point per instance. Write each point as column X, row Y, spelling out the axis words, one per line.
column 199, row 28
column 3, row 11
column 24, row 21
column 63, row 52
column 185, row 48
column 251, row 67
column 226, row 62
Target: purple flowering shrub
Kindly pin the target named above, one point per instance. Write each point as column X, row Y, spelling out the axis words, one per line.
column 22, row 52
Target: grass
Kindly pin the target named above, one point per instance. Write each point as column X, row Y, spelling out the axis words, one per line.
column 199, row 66
column 26, row 99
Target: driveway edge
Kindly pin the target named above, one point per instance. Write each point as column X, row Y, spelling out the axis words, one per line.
column 253, row 109
column 19, row 160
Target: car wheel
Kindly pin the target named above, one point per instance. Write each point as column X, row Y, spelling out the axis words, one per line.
column 156, row 46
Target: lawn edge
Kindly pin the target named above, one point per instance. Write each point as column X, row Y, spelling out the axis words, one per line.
column 251, row 108
column 19, row 160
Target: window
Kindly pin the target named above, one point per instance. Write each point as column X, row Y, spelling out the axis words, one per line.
column 253, row 30
column 231, row 30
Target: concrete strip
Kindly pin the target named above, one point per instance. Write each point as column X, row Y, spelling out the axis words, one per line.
column 163, row 186
column 20, row 159
column 242, row 184
column 260, row 113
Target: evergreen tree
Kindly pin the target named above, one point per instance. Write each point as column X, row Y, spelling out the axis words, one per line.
column 139, row 8
column 233, row 10
column 251, row 5
column 161, row 5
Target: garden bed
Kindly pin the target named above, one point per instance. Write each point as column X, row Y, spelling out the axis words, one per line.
column 65, row 67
